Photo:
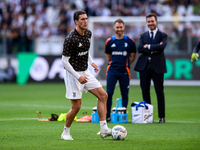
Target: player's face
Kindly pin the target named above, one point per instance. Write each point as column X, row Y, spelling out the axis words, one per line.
column 152, row 23
column 119, row 28
column 82, row 22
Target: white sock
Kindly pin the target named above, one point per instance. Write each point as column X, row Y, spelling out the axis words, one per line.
column 66, row 130
column 103, row 125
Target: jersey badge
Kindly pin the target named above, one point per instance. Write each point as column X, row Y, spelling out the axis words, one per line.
column 125, row 44
column 113, row 45
column 80, row 45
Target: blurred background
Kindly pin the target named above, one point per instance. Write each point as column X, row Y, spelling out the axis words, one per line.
column 32, row 34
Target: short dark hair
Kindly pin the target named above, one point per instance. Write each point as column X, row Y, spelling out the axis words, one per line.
column 151, row 15
column 78, row 13
column 119, row 21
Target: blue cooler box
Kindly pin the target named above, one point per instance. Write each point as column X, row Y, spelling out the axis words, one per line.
column 119, row 113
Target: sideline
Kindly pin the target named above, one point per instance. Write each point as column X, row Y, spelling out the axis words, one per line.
column 155, row 121
column 166, row 82
column 44, row 106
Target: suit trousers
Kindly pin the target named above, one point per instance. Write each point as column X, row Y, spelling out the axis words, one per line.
column 158, row 79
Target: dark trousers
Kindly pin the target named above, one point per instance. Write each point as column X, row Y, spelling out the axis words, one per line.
column 112, row 77
column 145, row 82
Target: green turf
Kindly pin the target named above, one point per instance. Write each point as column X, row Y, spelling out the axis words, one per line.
column 20, row 129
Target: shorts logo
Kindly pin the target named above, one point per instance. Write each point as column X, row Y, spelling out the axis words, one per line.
column 74, row 94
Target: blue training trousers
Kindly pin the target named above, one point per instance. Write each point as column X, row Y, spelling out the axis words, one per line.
column 112, row 77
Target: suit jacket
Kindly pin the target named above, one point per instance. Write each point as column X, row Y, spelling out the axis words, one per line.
column 156, row 52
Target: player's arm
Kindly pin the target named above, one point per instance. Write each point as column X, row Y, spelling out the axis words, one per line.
column 195, row 54
column 107, row 49
column 108, row 57
column 132, row 57
column 69, row 68
column 132, row 51
column 96, row 69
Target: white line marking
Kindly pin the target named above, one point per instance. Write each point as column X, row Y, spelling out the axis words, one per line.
column 181, row 122
column 47, row 106
column 18, row 119
column 12, row 119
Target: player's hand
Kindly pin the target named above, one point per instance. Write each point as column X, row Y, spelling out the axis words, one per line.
column 194, row 56
column 96, row 69
column 83, row 79
column 161, row 43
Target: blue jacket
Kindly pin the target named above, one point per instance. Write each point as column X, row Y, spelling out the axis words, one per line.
column 156, row 52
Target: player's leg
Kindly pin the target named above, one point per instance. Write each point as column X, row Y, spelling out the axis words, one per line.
column 73, row 93
column 111, row 81
column 75, row 107
column 101, row 94
column 94, row 87
column 101, row 108
column 124, row 88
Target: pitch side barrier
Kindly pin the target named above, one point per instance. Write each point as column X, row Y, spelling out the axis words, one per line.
column 44, row 68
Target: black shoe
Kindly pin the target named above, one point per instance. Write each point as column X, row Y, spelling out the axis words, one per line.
column 161, row 120
column 108, row 119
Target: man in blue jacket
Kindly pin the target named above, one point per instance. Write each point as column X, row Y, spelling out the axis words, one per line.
column 151, row 63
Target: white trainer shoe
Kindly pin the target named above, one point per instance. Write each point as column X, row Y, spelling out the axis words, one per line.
column 107, row 133
column 66, row 137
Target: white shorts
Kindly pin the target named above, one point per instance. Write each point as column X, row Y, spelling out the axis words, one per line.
column 74, row 88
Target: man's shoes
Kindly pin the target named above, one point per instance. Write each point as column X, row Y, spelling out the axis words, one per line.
column 161, row 120
column 108, row 119
column 106, row 133
column 66, row 137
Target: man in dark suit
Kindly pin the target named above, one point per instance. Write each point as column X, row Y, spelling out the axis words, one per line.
column 151, row 63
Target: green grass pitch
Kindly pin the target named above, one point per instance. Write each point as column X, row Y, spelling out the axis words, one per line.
column 20, row 129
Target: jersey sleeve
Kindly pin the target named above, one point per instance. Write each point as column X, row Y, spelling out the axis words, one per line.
column 132, row 45
column 197, row 47
column 67, row 47
column 107, row 47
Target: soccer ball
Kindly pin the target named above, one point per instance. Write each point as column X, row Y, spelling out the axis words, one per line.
column 119, row 132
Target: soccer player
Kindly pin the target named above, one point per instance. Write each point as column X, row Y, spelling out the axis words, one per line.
column 120, row 51
column 78, row 78
column 195, row 54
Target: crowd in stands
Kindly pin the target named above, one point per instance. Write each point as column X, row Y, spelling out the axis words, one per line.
column 21, row 21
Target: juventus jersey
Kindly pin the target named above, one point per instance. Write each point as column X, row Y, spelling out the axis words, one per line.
column 120, row 50
column 77, row 48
